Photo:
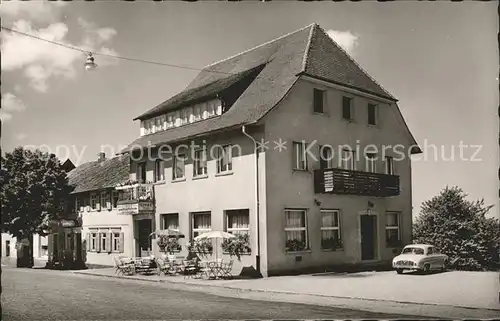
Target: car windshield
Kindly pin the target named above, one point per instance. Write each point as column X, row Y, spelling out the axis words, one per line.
column 414, row 250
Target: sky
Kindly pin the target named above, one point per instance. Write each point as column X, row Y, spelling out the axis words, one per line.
column 440, row 60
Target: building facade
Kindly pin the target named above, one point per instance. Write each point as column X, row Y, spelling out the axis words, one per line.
column 290, row 142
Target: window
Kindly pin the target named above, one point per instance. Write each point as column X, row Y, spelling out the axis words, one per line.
column 371, row 165
column 158, row 124
column 163, row 122
column 211, row 108
column 170, row 222
column 141, row 172
column 189, row 113
column 347, row 108
column 330, row 230
column 104, row 199
column 159, row 170
column 93, row 241
column 389, row 165
column 326, row 157
column 184, row 116
column 170, row 120
column 201, row 224
column 93, row 201
column 78, row 204
column 104, row 242
column 299, row 156
column 197, row 113
column 179, row 163
column 116, row 242
column 200, row 162
column 348, row 160
column 204, row 112
column 238, row 221
column 115, row 198
column 392, row 229
column 318, row 100
column 224, row 159
column 430, row 250
column 295, row 230
column 372, row 114
column 177, row 118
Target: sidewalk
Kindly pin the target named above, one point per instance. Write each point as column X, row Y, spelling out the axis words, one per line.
column 471, row 290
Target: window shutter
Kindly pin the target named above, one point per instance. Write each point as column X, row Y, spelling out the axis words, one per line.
column 98, row 242
column 88, row 242
column 109, row 237
column 323, row 163
column 121, row 245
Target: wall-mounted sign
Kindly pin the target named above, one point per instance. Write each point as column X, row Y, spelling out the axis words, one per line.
column 136, row 208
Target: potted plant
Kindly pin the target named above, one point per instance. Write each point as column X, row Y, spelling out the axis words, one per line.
column 331, row 243
column 203, row 247
column 295, row 245
column 168, row 244
column 237, row 246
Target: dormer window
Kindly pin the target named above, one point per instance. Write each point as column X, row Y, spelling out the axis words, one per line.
column 187, row 115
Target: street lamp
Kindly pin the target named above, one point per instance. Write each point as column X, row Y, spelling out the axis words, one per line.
column 90, row 64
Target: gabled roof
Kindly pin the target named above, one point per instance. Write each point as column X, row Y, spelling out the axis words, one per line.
column 97, row 175
column 308, row 51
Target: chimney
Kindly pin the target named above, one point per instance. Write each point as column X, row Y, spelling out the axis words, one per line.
column 102, row 157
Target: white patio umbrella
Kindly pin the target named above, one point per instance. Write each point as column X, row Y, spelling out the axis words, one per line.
column 214, row 235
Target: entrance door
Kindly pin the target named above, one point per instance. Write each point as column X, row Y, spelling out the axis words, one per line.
column 145, row 230
column 7, row 248
column 368, row 236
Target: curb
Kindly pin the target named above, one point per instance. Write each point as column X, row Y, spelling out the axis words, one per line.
column 194, row 286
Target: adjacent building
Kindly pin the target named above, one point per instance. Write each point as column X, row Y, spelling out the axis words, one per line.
column 272, row 142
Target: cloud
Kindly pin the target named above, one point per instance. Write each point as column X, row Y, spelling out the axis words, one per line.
column 37, row 11
column 346, row 39
column 42, row 62
column 21, row 136
column 10, row 105
column 4, row 116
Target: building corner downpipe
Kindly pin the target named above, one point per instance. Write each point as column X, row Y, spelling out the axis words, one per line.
column 257, row 199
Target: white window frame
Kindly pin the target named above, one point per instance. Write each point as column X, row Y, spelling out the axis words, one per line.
column 344, row 163
column 200, row 230
column 115, row 241
column 222, row 151
column 104, row 237
column 389, row 165
column 176, row 159
column 299, row 156
column 197, row 162
column 231, row 230
column 170, row 122
column 331, row 228
column 104, row 199
column 371, row 163
column 93, row 240
column 163, row 221
column 159, row 170
column 393, row 227
column 294, row 229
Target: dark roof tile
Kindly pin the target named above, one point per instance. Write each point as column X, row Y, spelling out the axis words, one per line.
column 96, row 175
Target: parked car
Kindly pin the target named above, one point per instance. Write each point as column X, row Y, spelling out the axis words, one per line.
column 420, row 257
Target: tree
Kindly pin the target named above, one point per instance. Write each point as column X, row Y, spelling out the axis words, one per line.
column 34, row 191
column 460, row 229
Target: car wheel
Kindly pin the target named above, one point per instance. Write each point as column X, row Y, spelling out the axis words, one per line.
column 427, row 268
column 399, row 271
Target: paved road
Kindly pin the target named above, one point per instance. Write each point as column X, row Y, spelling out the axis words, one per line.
column 30, row 294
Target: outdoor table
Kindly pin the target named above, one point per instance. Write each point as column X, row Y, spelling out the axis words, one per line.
column 145, row 266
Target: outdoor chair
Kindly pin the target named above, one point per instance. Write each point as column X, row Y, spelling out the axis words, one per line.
column 163, row 267
column 227, row 269
column 123, row 268
column 190, row 268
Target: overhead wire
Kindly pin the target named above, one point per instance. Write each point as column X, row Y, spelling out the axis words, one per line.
column 110, row 55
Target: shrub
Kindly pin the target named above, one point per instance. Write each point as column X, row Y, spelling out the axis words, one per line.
column 237, row 246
